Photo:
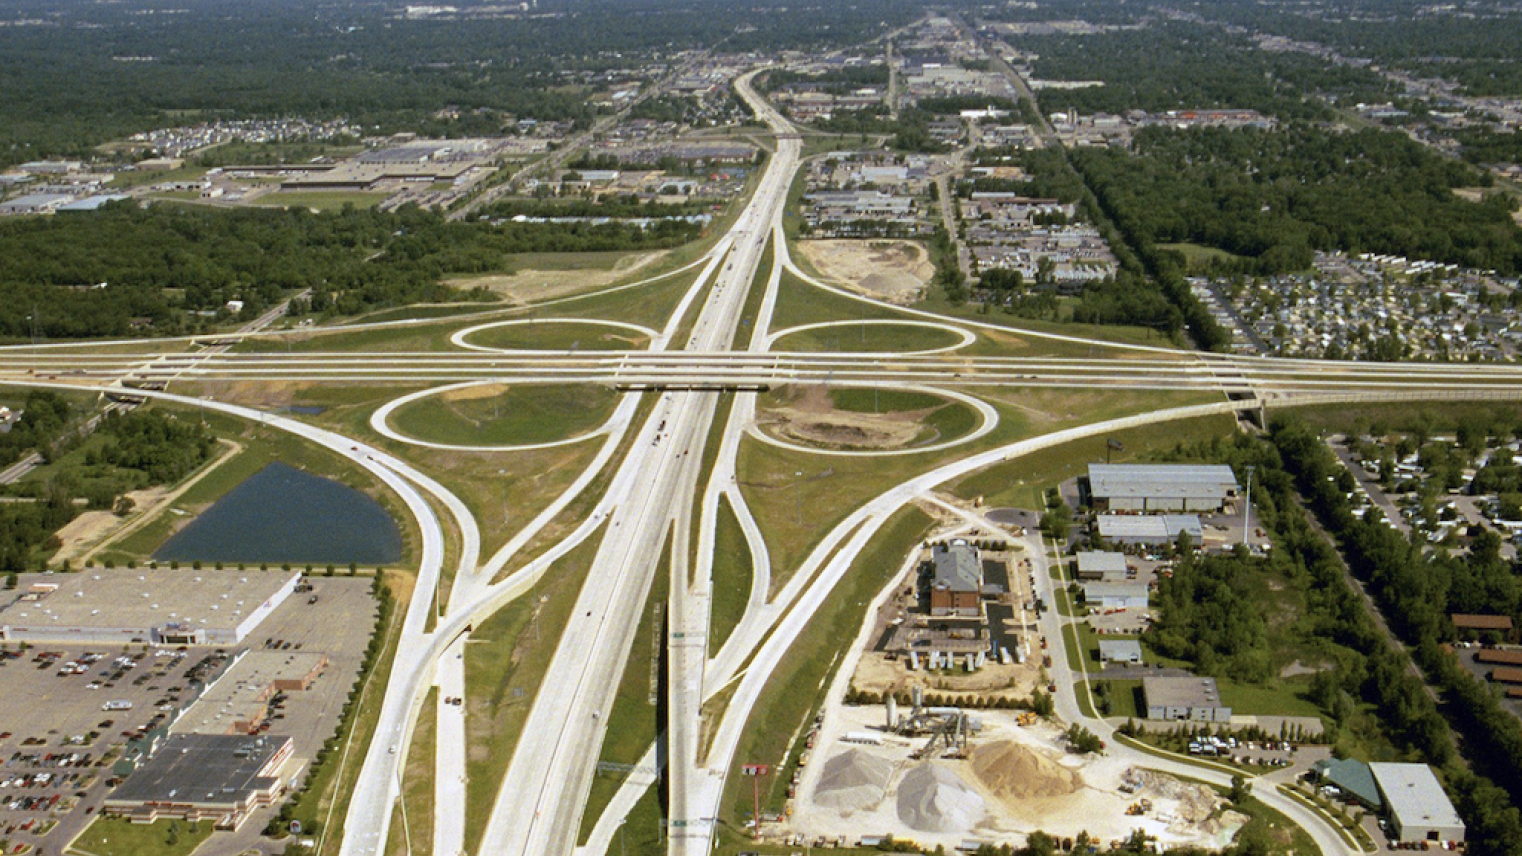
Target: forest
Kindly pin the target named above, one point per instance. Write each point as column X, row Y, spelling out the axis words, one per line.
column 171, row 269
column 127, row 451
column 1172, row 65
column 1275, row 197
column 1475, row 45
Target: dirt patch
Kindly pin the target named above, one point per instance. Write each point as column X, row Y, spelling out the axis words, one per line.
column 1299, row 668
column 1012, row 771
column 811, row 418
column 529, row 285
column 895, row 271
column 473, row 393
column 1470, row 194
column 274, row 395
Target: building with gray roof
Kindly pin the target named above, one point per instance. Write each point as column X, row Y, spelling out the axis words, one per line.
column 193, row 777
column 1149, row 529
column 1123, row 595
column 1419, row 808
column 1161, row 487
column 1194, row 699
column 956, row 581
column 1101, row 565
column 1120, row 651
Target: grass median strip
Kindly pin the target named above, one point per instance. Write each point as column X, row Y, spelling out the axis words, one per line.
column 506, row 659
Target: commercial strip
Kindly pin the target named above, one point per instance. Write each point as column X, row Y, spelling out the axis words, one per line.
column 193, row 777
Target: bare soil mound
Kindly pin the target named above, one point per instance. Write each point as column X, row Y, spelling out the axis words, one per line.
column 1013, row 771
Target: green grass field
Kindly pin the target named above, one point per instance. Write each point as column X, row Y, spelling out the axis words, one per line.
column 1198, row 257
column 112, row 836
column 883, row 400
column 732, row 576
column 519, row 415
column 560, row 336
column 319, row 200
column 859, row 338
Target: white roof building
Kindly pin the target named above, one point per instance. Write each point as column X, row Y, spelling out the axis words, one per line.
column 1419, row 807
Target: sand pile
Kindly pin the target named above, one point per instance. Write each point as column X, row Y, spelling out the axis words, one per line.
column 854, row 780
column 1014, row 771
column 933, row 798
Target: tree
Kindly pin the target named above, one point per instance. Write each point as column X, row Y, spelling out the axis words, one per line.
column 1240, row 790
column 1057, row 521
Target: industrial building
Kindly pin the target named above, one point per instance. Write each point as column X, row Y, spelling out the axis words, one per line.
column 956, row 580
column 238, row 703
column 1353, row 779
column 194, row 777
column 1194, row 699
column 1149, row 529
column 1100, row 595
column 165, row 607
column 1161, row 487
column 1120, row 651
column 1419, row 809
column 1101, row 566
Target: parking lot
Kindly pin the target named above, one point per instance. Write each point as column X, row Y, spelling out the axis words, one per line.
column 58, row 744
column 58, row 741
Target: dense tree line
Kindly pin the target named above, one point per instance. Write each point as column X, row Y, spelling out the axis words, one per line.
column 836, row 81
column 1274, row 197
column 44, row 416
column 163, row 263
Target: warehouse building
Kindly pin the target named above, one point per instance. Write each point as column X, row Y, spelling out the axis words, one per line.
column 1102, row 566
column 161, row 607
column 1149, row 529
column 1161, row 487
column 1419, row 809
column 956, row 580
column 1120, row 651
column 238, row 703
column 1193, row 699
column 194, row 777
column 1116, row 595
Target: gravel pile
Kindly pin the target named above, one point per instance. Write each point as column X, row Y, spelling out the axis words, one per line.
column 933, row 798
column 854, row 780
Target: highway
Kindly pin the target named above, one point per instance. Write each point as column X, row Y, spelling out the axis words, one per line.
column 648, row 505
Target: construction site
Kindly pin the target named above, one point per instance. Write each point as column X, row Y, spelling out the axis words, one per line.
column 943, row 775
column 962, row 626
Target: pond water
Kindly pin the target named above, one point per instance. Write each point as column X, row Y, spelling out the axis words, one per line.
column 281, row 514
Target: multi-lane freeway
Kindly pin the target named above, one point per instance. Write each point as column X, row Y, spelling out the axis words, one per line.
column 647, row 511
